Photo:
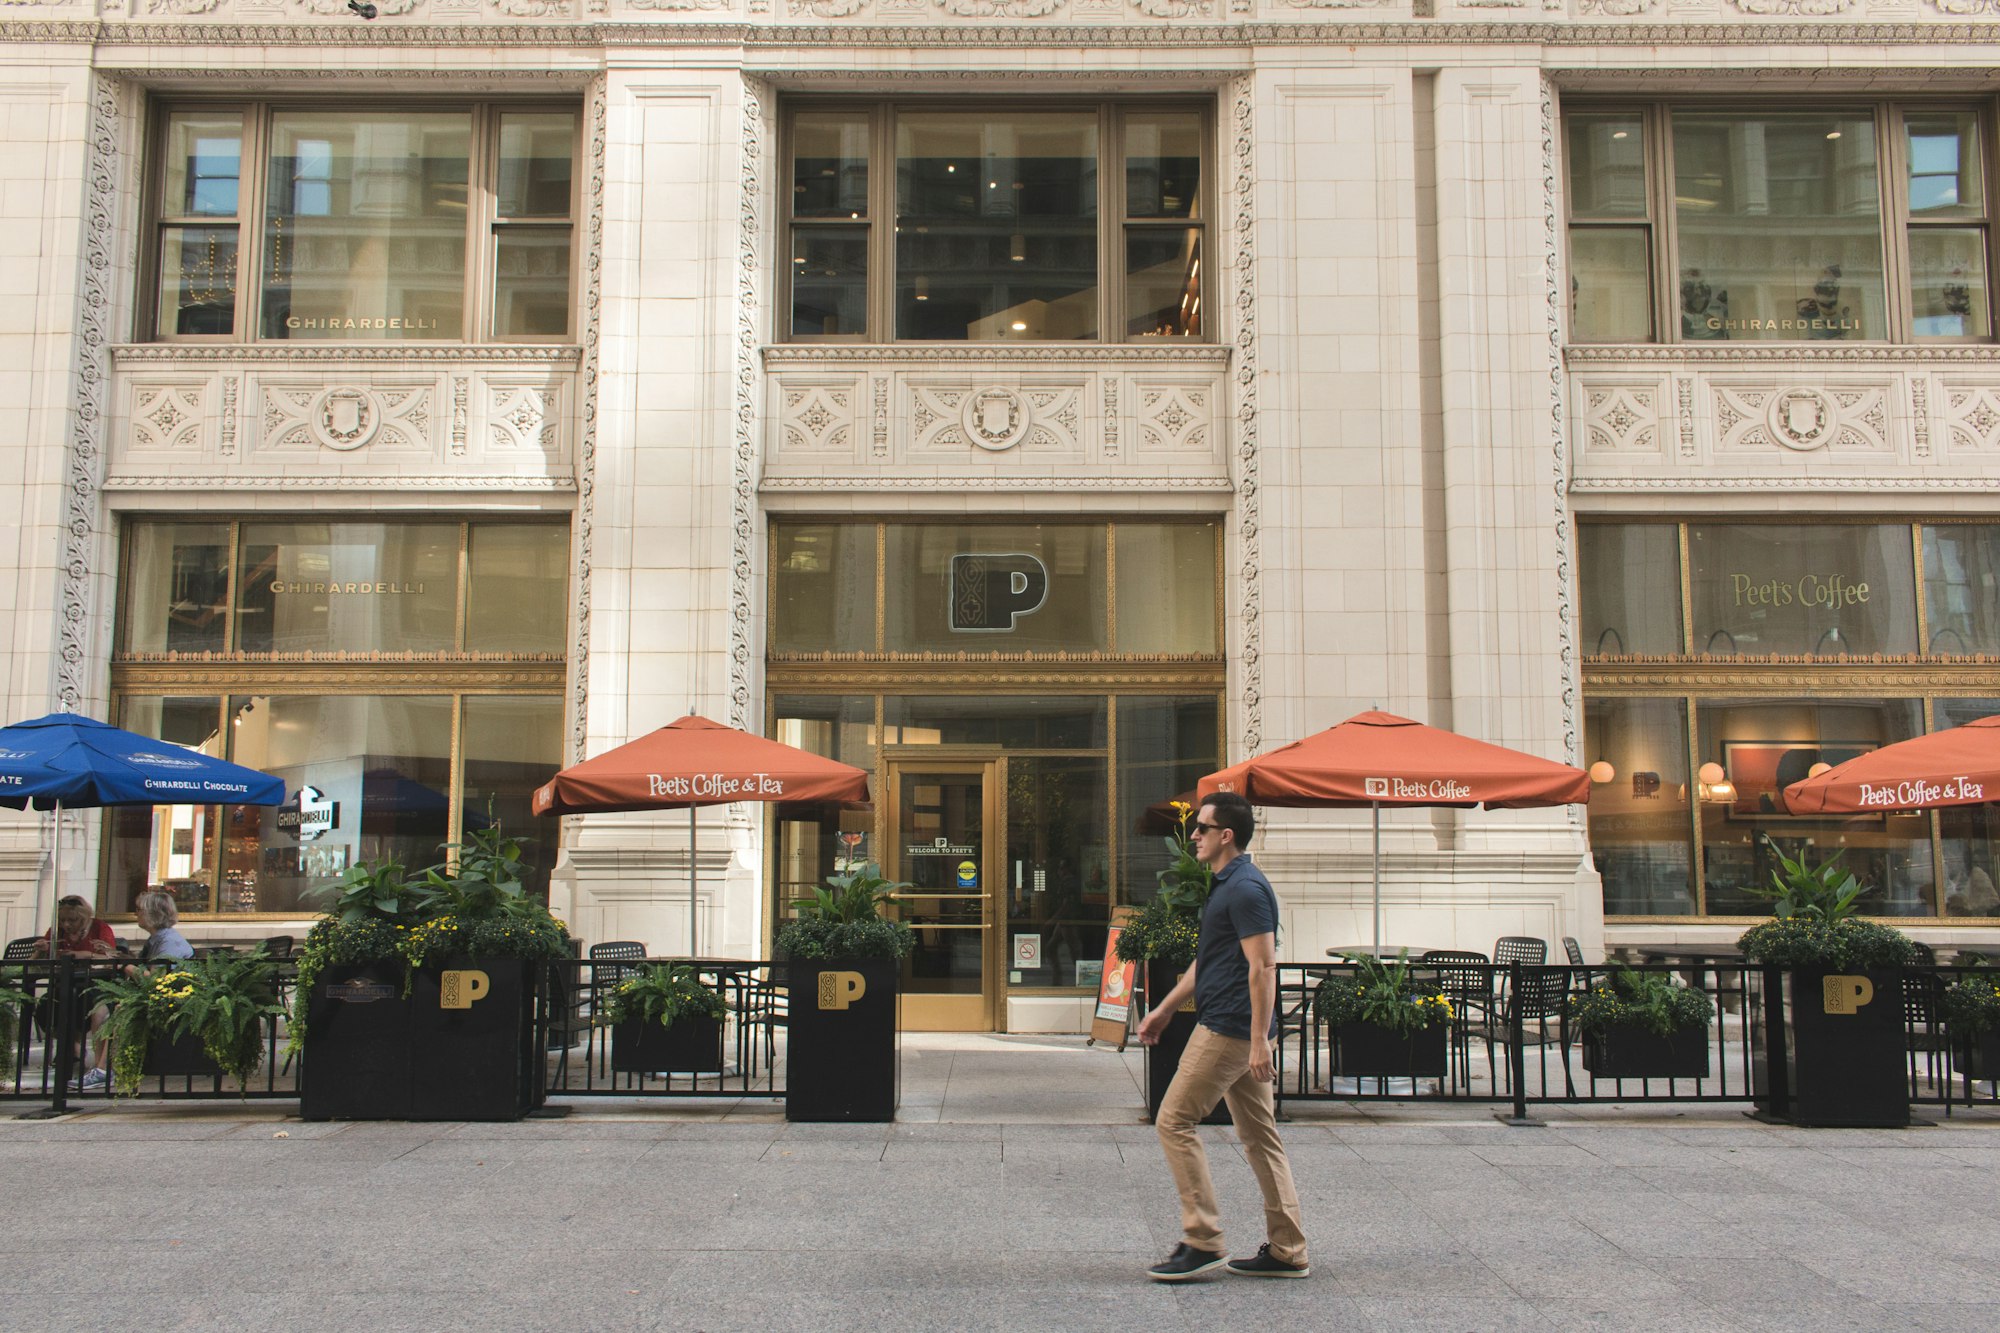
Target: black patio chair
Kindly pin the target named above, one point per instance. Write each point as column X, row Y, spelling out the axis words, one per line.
column 1537, row 1003
column 1466, row 979
column 1923, row 1022
column 611, row 963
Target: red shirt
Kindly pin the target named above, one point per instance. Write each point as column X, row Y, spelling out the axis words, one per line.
column 99, row 930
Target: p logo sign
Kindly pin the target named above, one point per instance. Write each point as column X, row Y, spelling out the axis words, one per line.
column 458, row 990
column 837, row 990
column 1847, row 995
column 990, row 592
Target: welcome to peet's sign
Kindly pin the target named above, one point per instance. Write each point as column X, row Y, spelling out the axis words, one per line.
column 1831, row 591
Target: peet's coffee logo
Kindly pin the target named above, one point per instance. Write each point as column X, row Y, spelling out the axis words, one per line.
column 1420, row 789
column 1718, row 325
column 1831, row 591
column 757, row 786
column 402, row 322
column 284, row 587
column 990, row 592
column 1910, row 795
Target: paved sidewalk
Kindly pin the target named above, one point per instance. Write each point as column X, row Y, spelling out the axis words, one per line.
column 1437, row 1219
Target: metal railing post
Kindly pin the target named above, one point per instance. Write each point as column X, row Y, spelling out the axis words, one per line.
column 59, row 1032
column 1517, row 1054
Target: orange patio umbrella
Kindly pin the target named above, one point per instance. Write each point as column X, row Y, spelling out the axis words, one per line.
column 1956, row 767
column 696, row 762
column 1375, row 759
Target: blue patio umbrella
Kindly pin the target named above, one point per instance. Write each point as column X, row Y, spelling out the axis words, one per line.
column 66, row 759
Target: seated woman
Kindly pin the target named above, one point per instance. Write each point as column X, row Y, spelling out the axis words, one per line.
column 158, row 916
column 77, row 932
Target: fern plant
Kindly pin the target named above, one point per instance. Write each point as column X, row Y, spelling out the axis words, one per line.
column 221, row 1000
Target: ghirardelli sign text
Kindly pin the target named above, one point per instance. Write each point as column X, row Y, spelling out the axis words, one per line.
column 990, row 592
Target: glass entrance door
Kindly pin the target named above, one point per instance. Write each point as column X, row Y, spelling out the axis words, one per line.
column 946, row 837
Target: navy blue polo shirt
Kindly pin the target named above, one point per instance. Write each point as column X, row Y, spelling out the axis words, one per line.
column 1241, row 905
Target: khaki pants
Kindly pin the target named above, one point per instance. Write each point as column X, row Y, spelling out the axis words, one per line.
column 1217, row 1068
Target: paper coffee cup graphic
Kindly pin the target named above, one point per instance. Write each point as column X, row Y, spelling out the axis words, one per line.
column 1847, row 995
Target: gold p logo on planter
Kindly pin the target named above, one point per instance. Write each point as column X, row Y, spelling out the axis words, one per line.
column 837, row 990
column 458, row 990
column 1847, row 995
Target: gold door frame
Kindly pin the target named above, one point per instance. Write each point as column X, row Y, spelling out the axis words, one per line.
column 953, row 1013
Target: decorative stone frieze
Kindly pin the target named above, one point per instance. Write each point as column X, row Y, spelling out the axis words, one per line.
column 1774, row 416
column 264, row 417
column 995, row 412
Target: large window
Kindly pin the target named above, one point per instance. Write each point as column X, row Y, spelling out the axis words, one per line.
column 404, row 678
column 1069, row 223
column 1712, row 223
column 1804, row 643
column 345, row 224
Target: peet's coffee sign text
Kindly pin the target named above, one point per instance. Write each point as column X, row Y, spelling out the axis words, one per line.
column 1915, row 795
column 1832, row 591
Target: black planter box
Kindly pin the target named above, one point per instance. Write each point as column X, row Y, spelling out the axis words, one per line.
column 374, row 1054
column 1628, row 1052
column 1163, row 1058
column 841, row 1059
column 690, row 1046
column 1847, row 1067
column 356, row 1064
column 179, row 1057
column 1982, row 1057
column 1369, row 1050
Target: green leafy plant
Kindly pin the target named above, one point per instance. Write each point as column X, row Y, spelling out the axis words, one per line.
column 1388, row 994
column 1816, row 924
column 1167, row 929
column 1647, row 1001
column 1971, row 1006
column 1159, row 932
column 844, row 920
column 474, row 906
column 662, row 993
column 1825, row 892
column 221, row 1000
column 1186, row 882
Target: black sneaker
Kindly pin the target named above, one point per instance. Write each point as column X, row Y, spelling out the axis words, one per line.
column 1268, row 1265
column 1186, row 1263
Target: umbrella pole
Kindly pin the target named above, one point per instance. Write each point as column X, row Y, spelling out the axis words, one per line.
column 694, row 948
column 1377, row 806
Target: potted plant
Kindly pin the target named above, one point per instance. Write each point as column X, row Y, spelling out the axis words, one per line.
column 1831, row 1050
column 665, row 1020
column 843, row 961
column 1643, row 1025
column 1971, row 1009
column 203, row 1018
column 1161, row 937
column 416, row 996
column 1386, row 1021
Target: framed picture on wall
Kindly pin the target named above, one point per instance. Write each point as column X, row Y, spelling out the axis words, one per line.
column 1761, row 770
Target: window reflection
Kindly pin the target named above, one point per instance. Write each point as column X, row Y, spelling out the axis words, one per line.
column 1639, row 809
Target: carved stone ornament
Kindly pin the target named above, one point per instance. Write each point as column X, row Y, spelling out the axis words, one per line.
column 345, row 419
column 1801, row 419
column 1174, row 9
column 995, row 419
column 824, row 9
column 1794, row 8
column 1619, row 9
column 1001, row 9
column 1967, row 7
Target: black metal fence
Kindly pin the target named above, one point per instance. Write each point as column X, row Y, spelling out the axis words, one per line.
column 1511, row 1040
column 57, row 1035
column 592, row 1057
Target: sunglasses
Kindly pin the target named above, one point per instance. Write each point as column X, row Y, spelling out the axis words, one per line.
column 1200, row 828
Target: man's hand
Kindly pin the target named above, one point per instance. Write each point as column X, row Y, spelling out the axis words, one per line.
column 1261, row 1067
column 1154, row 1025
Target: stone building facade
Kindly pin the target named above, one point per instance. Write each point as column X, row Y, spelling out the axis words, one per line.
column 414, row 404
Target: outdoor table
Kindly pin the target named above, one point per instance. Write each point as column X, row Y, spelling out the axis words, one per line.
column 1386, row 952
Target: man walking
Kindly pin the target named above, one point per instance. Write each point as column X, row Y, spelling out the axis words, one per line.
column 1234, row 982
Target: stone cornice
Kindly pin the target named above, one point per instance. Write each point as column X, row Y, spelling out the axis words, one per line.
column 790, row 37
column 336, row 482
column 1722, row 484
column 292, row 353
column 786, row 355
column 1764, row 354
column 1051, row 484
